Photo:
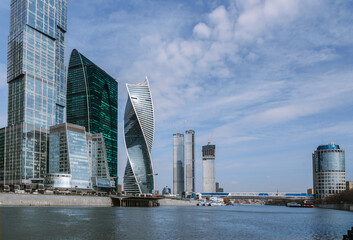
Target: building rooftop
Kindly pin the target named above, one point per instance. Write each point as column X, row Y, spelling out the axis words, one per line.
column 331, row 145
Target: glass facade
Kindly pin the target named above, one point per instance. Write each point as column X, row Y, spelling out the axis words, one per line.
column 36, row 75
column 92, row 102
column 138, row 136
column 97, row 156
column 69, row 154
column 190, row 161
column 178, row 164
column 329, row 174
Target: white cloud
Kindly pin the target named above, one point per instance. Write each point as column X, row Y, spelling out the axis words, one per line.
column 202, row 30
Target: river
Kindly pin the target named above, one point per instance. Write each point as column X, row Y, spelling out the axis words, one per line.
column 228, row 222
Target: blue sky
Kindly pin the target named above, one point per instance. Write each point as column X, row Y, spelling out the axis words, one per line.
column 270, row 79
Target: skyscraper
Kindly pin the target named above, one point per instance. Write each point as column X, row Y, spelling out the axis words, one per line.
column 208, row 168
column 37, row 81
column 138, row 136
column 92, row 102
column 190, row 160
column 329, row 173
column 178, row 164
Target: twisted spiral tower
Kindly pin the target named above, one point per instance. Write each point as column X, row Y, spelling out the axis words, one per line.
column 138, row 137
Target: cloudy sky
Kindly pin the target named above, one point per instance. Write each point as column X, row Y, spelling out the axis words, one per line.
column 270, row 80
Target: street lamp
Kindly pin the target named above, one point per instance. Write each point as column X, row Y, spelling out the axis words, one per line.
column 152, row 174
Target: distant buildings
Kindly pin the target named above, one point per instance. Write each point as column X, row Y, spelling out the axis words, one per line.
column 208, row 168
column 329, row 175
column 138, row 136
column 218, row 188
column 190, row 160
column 166, row 191
column 36, row 77
column 92, row 102
column 178, row 164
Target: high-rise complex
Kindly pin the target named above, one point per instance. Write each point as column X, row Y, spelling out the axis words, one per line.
column 92, row 102
column 190, row 160
column 329, row 174
column 178, row 164
column 77, row 158
column 36, row 77
column 208, row 168
column 138, row 136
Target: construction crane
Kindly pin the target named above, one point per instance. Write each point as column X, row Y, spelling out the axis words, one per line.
column 175, row 129
column 186, row 122
column 209, row 140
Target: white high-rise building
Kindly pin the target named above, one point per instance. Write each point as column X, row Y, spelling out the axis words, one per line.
column 190, row 160
column 178, row 164
column 138, row 136
column 208, row 169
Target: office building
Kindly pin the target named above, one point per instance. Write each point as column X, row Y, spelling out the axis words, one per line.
column 349, row 185
column 310, row 191
column 92, row 102
column 138, row 136
column 329, row 175
column 178, row 164
column 208, row 168
column 190, row 160
column 77, row 158
column 218, row 188
column 36, row 77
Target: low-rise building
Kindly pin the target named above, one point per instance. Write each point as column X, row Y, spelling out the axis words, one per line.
column 77, row 159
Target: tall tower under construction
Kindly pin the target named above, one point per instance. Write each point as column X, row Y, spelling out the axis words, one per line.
column 190, row 160
column 208, row 168
column 178, row 164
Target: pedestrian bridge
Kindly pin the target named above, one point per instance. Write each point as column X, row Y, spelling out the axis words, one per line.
column 262, row 195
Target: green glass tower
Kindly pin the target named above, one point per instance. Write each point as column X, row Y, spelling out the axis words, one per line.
column 92, row 102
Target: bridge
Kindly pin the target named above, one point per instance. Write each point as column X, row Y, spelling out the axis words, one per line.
column 262, row 195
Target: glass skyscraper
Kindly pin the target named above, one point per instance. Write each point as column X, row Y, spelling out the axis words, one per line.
column 329, row 171
column 138, row 136
column 178, row 164
column 36, row 77
column 92, row 102
column 190, row 161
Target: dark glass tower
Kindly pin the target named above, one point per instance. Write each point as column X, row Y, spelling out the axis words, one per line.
column 92, row 102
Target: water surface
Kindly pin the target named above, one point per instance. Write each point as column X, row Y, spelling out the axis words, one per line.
column 229, row 222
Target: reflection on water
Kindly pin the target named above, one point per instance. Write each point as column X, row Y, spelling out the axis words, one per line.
column 233, row 222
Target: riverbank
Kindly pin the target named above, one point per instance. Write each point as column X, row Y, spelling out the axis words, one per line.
column 7, row 199
column 345, row 206
column 176, row 202
column 52, row 200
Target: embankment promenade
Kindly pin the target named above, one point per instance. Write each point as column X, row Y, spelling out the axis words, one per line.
column 8, row 199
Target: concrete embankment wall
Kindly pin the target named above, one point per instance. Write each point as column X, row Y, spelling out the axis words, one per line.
column 175, row 202
column 346, row 207
column 52, row 200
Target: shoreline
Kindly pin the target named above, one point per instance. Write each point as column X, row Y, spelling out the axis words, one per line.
column 53, row 200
